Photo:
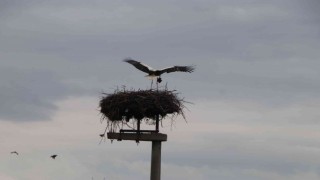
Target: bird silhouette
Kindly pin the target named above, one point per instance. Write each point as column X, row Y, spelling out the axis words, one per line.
column 54, row 156
column 15, row 152
column 156, row 73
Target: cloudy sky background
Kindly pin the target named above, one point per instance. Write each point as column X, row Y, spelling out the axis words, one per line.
column 255, row 89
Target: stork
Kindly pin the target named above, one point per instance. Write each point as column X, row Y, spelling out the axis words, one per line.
column 15, row 152
column 156, row 73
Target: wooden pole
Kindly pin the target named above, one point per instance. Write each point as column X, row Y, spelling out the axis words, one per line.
column 157, row 123
column 155, row 160
column 156, row 156
column 156, row 139
column 138, row 130
column 138, row 125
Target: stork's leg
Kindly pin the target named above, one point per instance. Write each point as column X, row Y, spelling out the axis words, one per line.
column 158, row 81
column 151, row 83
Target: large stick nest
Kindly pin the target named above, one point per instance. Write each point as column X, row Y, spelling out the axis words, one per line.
column 125, row 105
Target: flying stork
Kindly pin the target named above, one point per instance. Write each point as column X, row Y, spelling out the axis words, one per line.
column 156, row 73
column 15, row 152
column 54, row 156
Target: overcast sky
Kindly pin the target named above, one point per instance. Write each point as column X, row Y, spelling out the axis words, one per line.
column 255, row 91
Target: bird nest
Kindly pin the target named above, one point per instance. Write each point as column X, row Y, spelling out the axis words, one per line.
column 123, row 106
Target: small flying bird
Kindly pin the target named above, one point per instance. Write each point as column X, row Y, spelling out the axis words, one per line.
column 54, row 156
column 156, row 73
column 15, row 152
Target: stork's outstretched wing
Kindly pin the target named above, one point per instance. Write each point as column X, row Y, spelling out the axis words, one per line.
column 138, row 65
column 188, row 69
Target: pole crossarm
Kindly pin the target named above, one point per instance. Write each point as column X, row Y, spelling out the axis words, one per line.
column 137, row 131
column 137, row 136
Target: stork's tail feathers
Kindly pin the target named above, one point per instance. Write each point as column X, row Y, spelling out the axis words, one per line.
column 190, row 69
column 151, row 77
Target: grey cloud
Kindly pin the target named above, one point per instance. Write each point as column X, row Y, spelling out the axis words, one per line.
column 241, row 154
column 29, row 95
column 264, row 52
column 214, row 155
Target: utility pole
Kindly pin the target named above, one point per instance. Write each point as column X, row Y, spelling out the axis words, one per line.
column 145, row 135
column 155, row 160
